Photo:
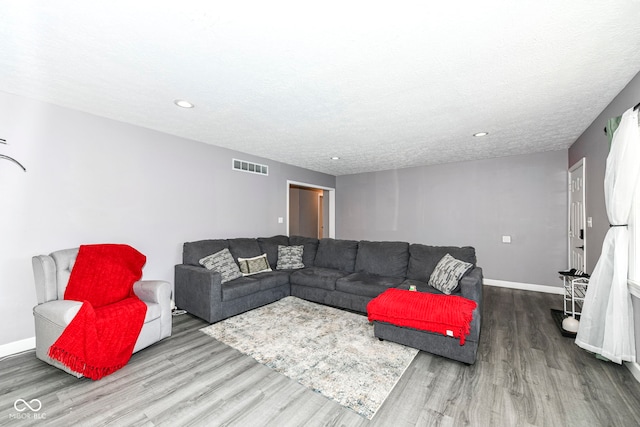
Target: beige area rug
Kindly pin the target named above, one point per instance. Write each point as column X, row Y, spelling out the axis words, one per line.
column 329, row 350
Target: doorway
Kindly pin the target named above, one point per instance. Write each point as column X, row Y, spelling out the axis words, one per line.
column 310, row 210
column 577, row 217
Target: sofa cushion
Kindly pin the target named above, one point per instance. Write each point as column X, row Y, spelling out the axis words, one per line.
column 310, row 248
column 317, row 277
column 269, row 246
column 223, row 263
column 244, row 248
column 383, row 258
column 250, row 266
column 290, row 257
column 423, row 259
column 447, row 274
column 366, row 285
column 193, row 252
column 337, row 254
column 271, row 279
column 241, row 287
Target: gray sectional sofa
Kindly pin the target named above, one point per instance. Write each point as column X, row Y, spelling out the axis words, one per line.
column 341, row 273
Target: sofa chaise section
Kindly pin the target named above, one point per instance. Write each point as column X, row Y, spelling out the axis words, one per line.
column 422, row 261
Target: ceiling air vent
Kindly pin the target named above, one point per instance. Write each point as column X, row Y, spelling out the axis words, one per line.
column 244, row 166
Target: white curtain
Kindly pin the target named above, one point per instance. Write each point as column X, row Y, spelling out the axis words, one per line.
column 606, row 324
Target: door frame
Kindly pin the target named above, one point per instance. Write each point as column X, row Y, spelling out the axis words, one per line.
column 332, row 204
column 580, row 163
column 320, row 215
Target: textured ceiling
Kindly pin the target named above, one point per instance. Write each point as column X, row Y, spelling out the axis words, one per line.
column 382, row 85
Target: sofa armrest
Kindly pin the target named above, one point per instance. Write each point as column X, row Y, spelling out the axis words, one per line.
column 198, row 290
column 471, row 288
column 471, row 285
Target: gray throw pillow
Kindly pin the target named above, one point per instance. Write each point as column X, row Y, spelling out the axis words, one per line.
column 447, row 274
column 257, row 264
column 290, row 257
column 223, row 263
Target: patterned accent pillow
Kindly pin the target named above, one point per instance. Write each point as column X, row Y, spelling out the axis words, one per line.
column 258, row 264
column 290, row 257
column 223, row 263
column 447, row 274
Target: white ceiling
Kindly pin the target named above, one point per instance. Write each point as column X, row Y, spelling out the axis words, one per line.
column 383, row 85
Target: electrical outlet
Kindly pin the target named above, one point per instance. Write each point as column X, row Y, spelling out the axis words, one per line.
column 506, row 239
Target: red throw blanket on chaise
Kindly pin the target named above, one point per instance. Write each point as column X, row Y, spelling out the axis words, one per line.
column 445, row 314
column 100, row 339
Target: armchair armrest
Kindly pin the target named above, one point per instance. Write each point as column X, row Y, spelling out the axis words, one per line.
column 198, row 290
column 59, row 312
column 157, row 291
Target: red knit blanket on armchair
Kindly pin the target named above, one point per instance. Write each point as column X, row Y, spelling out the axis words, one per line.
column 101, row 337
column 449, row 315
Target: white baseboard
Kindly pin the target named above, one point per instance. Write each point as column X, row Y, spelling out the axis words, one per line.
column 17, row 346
column 525, row 286
column 634, row 368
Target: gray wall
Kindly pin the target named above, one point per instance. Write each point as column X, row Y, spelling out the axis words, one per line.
column 94, row 180
column 594, row 146
column 469, row 203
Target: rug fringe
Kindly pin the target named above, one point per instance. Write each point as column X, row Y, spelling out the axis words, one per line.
column 80, row 366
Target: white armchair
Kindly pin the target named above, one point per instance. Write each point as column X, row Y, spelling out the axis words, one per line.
column 53, row 313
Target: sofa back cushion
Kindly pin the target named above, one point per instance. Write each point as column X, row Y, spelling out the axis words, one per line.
column 337, row 254
column 244, row 247
column 269, row 246
column 388, row 259
column 310, row 248
column 193, row 252
column 423, row 259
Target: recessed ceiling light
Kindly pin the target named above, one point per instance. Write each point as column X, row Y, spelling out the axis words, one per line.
column 481, row 134
column 335, row 158
column 182, row 103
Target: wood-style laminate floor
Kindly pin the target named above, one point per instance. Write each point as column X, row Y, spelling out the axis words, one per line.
column 527, row 374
